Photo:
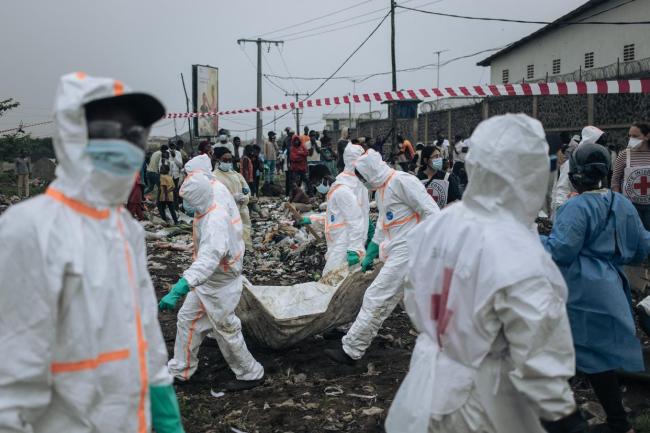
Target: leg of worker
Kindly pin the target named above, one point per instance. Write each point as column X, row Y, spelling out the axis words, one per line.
column 192, row 327
column 608, row 391
column 26, row 180
column 378, row 302
column 231, row 342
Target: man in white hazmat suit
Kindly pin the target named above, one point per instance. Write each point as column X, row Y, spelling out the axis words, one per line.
column 202, row 164
column 80, row 336
column 403, row 202
column 346, row 218
column 213, row 285
column 494, row 353
column 563, row 189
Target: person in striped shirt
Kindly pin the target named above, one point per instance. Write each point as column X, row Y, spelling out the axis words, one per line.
column 631, row 176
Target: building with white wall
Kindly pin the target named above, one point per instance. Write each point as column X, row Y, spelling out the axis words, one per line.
column 566, row 51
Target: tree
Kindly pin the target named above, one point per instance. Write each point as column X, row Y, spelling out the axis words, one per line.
column 36, row 148
column 7, row 105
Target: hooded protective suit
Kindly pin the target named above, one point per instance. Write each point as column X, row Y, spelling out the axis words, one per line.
column 240, row 191
column 78, row 315
column 222, row 195
column 494, row 352
column 402, row 202
column 216, row 282
column 563, row 190
column 582, row 244
column 346, row 219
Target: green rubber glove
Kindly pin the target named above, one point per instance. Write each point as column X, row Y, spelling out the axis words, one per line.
column 371, row 232
column 180, row 289
column 304, row 221
column 372, row 252
column 353, row 258
column 165, row 414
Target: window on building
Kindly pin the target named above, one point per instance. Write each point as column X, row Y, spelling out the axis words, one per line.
column 589, row 60
column 530, row 72
column 505, row 76
column 628, row 53
column 556, row 66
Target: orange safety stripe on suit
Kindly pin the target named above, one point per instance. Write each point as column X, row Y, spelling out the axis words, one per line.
column 89, row 364
column 328, row 226
column 141, row 342
column 77, row 206
column 197, row 217
column 188, row 350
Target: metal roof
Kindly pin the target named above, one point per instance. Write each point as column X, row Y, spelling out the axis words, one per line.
column 560, row 22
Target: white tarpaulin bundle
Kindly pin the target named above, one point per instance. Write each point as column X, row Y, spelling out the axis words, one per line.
column 281, row 316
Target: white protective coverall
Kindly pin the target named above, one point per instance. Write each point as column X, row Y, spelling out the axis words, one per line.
column 240, row 191
column 563, row 189
column 494, row 353
column 222, row 195
column 215, row 277
column 78, row 313
column 403, row 202
column 346, row 219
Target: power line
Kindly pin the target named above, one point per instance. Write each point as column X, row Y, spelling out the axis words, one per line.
column 507, row 20
column 315, row 19
column 352, row 24
column 286, row 67
column 362, row 78
column 20, row 127
column 331, row 75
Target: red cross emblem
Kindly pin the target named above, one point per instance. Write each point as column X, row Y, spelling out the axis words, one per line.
column 439, row 311
column 642, row 186
column 433, row 194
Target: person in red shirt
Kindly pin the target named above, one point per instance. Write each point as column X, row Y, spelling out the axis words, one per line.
column 298, row 159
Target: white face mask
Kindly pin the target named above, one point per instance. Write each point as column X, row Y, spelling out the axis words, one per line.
column 634, row 143
column 225, row 166
column 322, row 188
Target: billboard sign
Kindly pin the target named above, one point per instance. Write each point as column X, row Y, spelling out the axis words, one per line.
column 205, row 94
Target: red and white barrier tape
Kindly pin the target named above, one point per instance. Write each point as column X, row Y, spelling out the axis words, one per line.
column 525, row 89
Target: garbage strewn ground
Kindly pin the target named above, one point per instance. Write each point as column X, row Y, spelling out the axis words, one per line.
column 304, row 391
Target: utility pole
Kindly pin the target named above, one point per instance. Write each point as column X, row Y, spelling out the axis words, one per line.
column 438, row 67
column 297, row 95
column 259, row 42
column 393, row 110
column 187, row 103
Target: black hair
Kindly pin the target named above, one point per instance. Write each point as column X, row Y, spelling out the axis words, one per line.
column 458, row 137
column 400, row 138
column 221, row 151
column 204, row 147
column 164, row 147
column 318, row 172
column 419, row 146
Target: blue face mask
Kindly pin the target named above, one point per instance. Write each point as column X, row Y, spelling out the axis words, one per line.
column 189, row 210
column 225, row 166
column 322, row 188
column 115, row 156
column 436, row 164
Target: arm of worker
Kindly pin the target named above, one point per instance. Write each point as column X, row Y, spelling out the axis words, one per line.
column 416, row 197
column 568, row 234
column 211, row 249
column 562, row 188
column 28, row 313
column 165, row 412
column 619, row 171
column 156, row 349
column 243, row 197
column 536, row 326
column 354, row 217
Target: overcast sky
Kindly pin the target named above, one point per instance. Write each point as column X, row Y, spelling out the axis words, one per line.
column 148, row 43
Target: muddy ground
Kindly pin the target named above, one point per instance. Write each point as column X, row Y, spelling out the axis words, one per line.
column 304, row 391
